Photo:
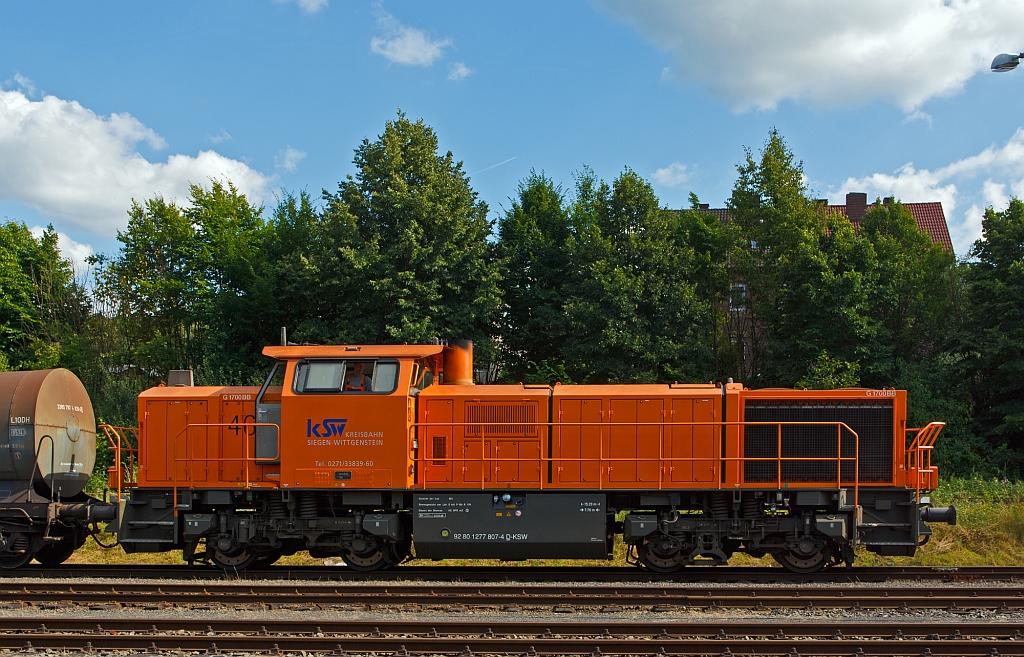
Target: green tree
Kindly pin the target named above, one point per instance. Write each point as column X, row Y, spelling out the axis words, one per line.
column 406, row 242
column 533, row 253
column 808, row 275
column 157, row 289
column 43, row 308
column 711, row 242
column 635, row 314
column 995, row 284
column 911, row 301
column 232, row 243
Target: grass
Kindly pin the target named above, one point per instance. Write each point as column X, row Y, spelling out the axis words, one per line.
column 989, row 532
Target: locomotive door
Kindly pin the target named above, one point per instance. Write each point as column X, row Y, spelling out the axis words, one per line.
column 649, row 434
column 580, row 446
column 235, row 439
column 634, row 436
column 527, row 466
column 437, row 436
column 168, row 444
column 694, row 442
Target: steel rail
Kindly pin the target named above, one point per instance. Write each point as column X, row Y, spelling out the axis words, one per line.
column 526, row 573
column 569, row 598
column 941, row 641
column 766, row 628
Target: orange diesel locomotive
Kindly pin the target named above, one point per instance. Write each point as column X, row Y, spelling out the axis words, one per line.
column 362, row 451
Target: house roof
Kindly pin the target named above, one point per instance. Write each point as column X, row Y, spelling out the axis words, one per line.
column 929, row 216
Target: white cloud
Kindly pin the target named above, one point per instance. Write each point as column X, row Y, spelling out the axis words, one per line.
column 1002, row 167
column 289, row 158
column 308, row 6
column 672, row 175
column 918, row 115
column 74, row 251
column 406, row 45
column 756, row 53
column 73, row 165
column 458, row 71
column 23, row 83
column 218, row 138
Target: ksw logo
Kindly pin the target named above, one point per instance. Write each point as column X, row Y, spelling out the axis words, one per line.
column 327, row 428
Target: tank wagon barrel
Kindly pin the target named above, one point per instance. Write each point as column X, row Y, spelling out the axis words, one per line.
column 47, row 454
column 363, row 451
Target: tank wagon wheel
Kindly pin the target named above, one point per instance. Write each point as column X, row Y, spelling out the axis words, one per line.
column 662, row 554
column 17, row 553
column 809, row 557
column 58, row 552
column 235, row 560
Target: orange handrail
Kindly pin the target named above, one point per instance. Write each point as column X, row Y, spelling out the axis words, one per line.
column 121, row 446
column 245, row 459
column 491, row 461
column 918, row 456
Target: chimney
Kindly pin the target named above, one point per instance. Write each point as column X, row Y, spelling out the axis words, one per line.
column 704, row 206
column 855, row 204
column 888, row 200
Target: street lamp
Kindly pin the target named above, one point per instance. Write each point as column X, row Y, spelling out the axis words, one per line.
column 1003, row 63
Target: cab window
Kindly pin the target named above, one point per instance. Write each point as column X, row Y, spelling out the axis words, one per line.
column 422, row 375
column 346, row 376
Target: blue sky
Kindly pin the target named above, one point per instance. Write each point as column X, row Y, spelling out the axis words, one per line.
column 108, row 101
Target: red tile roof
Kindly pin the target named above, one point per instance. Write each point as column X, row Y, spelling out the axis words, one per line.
column 929, row 217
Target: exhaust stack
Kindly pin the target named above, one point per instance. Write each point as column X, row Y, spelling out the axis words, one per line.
column 458, row 363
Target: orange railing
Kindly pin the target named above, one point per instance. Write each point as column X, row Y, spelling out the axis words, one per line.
column 124, row 472
column 920, row 473
column 665, row 463
column 246, row 458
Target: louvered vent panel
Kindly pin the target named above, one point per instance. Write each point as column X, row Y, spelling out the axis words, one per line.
column 872, row 420
column 511, row 420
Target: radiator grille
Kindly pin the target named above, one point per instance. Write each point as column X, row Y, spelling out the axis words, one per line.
column 872, row 420
column 513, row 420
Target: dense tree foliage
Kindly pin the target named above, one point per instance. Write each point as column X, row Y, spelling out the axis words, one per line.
column 595, row 283
column 533, row 249
column 995, row 287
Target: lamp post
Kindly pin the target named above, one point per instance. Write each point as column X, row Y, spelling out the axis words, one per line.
column 1005, row 62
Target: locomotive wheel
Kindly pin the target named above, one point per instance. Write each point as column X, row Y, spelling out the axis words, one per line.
column 815, row 558
column 234, row 560
column 367, row 561
column 662, row 554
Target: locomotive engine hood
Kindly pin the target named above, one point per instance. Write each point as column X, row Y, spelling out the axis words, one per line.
column 47, row 433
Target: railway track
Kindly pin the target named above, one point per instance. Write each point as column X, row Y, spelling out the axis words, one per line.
column 556, row 598
column 529, row 573
column 513, row 638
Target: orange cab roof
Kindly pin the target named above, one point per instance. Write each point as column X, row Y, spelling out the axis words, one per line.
column 353, row 351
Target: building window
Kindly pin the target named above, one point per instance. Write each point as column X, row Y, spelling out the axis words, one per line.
column 738, row 297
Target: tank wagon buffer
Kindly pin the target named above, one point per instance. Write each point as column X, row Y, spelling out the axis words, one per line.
column 47, row 453
column 359, row 451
